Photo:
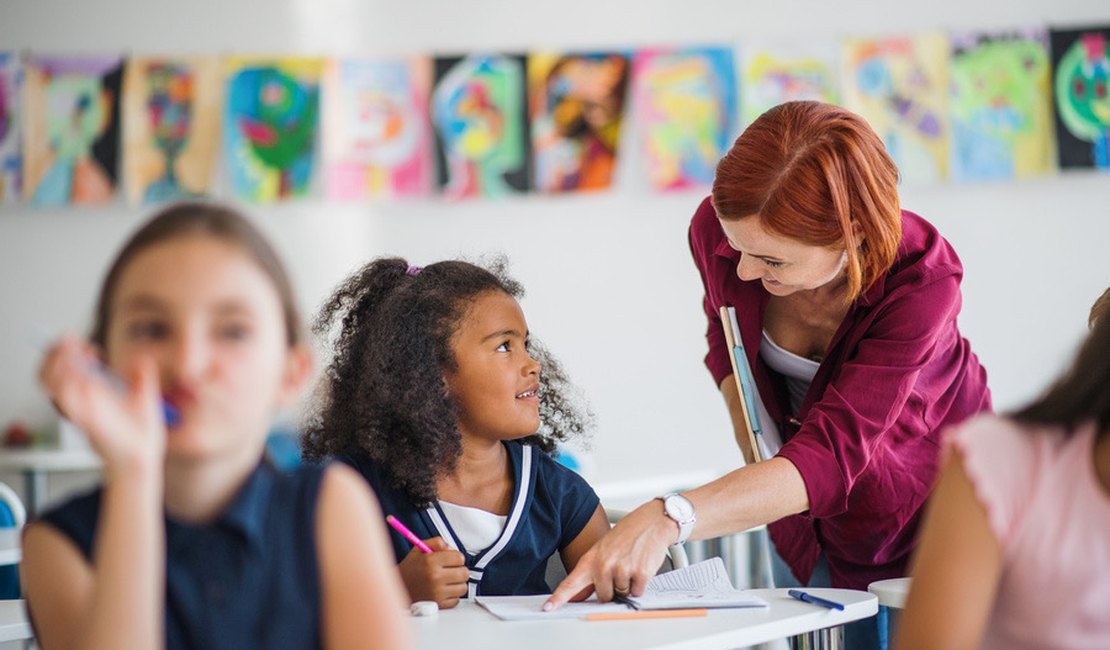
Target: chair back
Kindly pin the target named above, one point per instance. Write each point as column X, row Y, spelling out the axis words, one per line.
column 15, row 515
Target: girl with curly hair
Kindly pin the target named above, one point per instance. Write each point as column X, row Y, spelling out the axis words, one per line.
column 435, row 394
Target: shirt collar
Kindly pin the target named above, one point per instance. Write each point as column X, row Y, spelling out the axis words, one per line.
column 247, row 512
column 245, row 515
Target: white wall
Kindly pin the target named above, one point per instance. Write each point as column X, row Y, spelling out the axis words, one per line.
column 611, row 288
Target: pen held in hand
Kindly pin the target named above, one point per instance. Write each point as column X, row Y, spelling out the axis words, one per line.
column 170, row 414
column 407, row 534
column 814, row 600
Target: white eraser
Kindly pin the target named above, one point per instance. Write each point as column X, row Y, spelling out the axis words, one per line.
column 424, row 608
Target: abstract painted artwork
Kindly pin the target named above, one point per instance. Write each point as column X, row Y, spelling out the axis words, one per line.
column 773, row 73
column 377, row 138
column 577, row 109
column 171, row 127
column 71, row 129
column 1081, row 63
column 11, row 90
column 1000, row 105
column 271, row 119
column 479, row 112
column 685, row 101
column 900, row 86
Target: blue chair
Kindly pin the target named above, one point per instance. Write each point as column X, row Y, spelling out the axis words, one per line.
column 12, row 515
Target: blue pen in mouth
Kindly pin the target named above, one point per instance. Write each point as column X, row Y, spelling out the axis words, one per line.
column 171, row 415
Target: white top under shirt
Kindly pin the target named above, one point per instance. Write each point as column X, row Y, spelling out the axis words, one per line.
column 797, row 370
column 476, row 529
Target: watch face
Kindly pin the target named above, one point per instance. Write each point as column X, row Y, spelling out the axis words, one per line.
column 679, row 507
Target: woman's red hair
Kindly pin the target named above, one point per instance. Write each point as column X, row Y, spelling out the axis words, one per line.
column 810, row 171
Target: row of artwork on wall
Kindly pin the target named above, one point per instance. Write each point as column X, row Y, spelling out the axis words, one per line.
column 964, row 107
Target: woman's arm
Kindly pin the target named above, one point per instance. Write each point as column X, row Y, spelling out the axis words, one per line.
column 955, row 569
column 632, row 552
column 363, row 601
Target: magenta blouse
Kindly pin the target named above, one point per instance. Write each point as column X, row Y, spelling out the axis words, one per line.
column 866, row 439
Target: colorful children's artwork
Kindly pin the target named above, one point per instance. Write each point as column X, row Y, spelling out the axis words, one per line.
column 900, row 86
column 774, row 73
column 271, row 118
column 171, row 127
column 71, row 129
column 685, row 102
column 479, row 113
column 1081, row 60
column 11, row 88
column 577, row 108
column 377, row 137
column 1000, row 105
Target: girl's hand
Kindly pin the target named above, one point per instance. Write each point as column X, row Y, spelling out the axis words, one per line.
column 622, row 561
column 440, row 576
column 124, row 423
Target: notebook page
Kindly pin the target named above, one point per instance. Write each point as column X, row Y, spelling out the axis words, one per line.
column 704, row 584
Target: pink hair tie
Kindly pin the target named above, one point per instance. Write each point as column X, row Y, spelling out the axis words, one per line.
column 413, row 270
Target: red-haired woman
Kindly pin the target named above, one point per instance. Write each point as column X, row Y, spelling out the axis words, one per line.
column 847, row 309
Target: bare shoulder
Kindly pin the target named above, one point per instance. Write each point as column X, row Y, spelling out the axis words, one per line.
column 57, row 583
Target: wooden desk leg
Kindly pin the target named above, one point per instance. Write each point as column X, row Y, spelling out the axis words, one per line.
column 829, row 638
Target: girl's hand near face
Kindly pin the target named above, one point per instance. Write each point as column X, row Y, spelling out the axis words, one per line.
column 440, row 576
column 124, row 423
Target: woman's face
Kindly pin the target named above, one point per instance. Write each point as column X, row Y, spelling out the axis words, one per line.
column 784, row 265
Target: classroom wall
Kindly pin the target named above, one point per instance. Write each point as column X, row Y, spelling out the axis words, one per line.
column 611, row 288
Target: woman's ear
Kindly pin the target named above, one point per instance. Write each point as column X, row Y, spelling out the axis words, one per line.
column 857, row 233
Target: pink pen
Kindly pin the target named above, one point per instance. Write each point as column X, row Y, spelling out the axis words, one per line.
column 407, row 534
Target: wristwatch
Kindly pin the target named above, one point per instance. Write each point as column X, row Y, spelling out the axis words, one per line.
column 679, row 508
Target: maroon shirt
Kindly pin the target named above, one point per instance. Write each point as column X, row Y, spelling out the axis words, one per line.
column 866, row 439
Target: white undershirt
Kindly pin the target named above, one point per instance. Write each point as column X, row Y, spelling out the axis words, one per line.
column 797, row 370
column 476, row 529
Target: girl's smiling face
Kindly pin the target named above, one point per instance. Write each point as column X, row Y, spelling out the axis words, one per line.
column 784, row 265
column 496, row 381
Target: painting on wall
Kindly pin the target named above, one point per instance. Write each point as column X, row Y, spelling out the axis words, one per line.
column 11, row 90
column 1000, row 105
column 576, row 109
column 900, row 86
column 480, row 117
column 1081, row 65
column 685, row 103
column 777, row 72
column 71, row 129
column 271, row 119
column 171, row 127
column 376, row 135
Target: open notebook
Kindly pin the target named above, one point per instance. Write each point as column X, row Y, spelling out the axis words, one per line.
column 702, row 585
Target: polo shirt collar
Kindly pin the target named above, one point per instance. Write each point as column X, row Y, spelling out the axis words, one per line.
column 246, row 515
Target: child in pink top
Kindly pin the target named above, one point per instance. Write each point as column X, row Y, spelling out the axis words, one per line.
column 1015, row 549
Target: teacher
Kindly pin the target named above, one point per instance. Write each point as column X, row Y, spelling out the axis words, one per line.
column 847, row 309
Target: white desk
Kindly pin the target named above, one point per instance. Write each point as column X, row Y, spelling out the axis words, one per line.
column 468, row 625
column 9, row 546
column 36, row 464
column 891, row 593
column 13, row 621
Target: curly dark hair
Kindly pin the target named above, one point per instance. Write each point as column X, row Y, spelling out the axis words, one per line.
column 383, row 394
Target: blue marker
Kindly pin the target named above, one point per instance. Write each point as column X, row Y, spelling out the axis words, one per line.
column 815, row 600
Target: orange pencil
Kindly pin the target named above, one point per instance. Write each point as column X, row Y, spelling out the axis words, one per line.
column 647, row 613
